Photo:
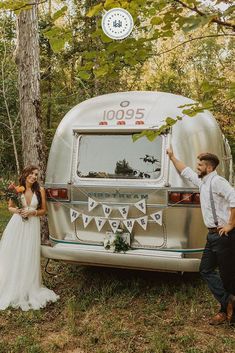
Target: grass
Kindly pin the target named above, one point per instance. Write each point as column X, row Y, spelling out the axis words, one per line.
column 105, row 310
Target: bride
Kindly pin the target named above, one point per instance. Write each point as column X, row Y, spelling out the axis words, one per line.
column 20, row 271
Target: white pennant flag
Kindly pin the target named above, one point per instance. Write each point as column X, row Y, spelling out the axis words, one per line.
column 99, row 223
column 91, row 204
column 107, row 210
column 157, row 217
column 129, row 224
column 124, row 211
column 73, row 215
column 141, row 205
column 143, row 222
column 86, row 220
column 114, row 224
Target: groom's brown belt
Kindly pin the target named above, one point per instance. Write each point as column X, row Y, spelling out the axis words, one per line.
column 212, row 230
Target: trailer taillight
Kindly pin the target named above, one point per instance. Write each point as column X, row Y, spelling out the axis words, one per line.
column 139, row 122
column 121, row 122
column 196, row 198
column 103, row 123
column 183, row 198
column 57, row 193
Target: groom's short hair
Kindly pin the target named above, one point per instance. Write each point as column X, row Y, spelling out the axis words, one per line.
column 210, row 158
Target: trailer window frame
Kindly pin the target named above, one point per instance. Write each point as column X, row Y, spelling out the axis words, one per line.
column 162, row 157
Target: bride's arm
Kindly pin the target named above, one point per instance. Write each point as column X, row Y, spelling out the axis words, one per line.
column 12, row 207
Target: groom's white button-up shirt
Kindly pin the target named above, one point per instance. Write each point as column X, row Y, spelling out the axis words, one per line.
column 223, row 195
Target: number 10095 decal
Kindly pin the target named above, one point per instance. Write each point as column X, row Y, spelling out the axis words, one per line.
column 124, row 114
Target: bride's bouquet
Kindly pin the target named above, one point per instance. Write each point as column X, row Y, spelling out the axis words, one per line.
column 12, row 192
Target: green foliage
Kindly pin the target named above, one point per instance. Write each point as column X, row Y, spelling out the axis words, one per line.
column 163, row 129
column 59, row 13
column 8, row 98
column 15, row 5
column 120, row 244
column 58, row 37
column 94, row 10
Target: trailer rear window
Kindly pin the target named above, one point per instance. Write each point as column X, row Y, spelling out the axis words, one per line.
column 118, row 157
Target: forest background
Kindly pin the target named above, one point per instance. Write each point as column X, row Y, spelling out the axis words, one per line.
column 178, row 46
column 181, row 47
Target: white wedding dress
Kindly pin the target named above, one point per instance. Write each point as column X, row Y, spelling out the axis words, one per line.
column 20, row 270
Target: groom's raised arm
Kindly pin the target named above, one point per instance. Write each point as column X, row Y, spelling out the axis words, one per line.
column 179, row 165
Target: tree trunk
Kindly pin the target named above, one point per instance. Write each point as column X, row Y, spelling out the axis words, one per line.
column 27, row 59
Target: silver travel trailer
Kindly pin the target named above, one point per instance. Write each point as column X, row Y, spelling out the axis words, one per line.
column 99, row 182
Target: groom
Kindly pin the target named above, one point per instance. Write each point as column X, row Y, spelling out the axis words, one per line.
column 218, row 211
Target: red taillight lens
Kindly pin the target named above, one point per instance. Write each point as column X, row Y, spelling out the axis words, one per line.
column 184, row 197
column 139, row 122
column 103, row 123
column 174, row 197
column 196, row 198
column 121, row 122
column 57, row 193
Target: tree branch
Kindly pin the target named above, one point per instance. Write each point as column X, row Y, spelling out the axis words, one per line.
column 192, row 39
column 29, row 4
column 199, row 12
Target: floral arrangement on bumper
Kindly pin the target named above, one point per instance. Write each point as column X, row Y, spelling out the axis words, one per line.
column 115, row 242
column 12, row 192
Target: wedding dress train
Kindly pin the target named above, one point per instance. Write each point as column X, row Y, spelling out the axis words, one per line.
column 20, row 270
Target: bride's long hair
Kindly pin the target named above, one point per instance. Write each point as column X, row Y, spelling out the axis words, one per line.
column 35, row 187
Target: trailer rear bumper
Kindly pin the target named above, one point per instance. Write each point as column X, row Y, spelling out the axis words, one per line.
column 155, row 260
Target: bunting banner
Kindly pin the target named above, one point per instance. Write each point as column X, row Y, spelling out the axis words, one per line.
column 114, row 224
column 124, row 211
column 129, row 224
column 91, row 204
column 141, row 205
column 157, row 217
column 143, row 222
column 100, row 223
column 107, row 210
column 73, row 215
column 86, row 220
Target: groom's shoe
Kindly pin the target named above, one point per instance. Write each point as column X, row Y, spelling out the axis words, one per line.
column 218, row 319
column 230, row 307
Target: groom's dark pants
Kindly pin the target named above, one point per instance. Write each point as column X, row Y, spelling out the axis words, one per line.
column 219, row 253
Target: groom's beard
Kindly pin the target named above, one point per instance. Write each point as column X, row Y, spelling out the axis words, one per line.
column 202, row 174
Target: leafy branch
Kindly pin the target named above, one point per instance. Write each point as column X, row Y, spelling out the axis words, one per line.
column 192, row 39
column 213, row 19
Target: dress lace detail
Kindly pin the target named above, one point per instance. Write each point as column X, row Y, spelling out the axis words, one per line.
column 20, row 269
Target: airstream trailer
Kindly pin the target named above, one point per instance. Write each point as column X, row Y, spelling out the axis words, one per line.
column 100, row 183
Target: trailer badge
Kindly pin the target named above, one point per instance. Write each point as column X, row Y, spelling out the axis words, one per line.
column 117, row 23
